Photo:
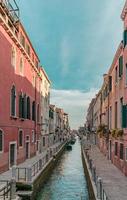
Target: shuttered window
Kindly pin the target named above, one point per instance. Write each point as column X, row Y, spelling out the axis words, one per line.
column 33, row 111
column 116, row 148
column 120, row 66
column 20, row 106
column 28, row 107
column 124, row 116
column 121, row 151
column 125, row 37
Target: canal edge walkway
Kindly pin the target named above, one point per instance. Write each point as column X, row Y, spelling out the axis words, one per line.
column 9, row 175
column 91, row 185
column 113, row 184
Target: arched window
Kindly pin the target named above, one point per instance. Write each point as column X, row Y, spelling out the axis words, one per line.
column 1, row 140
column 13, row 57
column 28, row 107
column 38, row 113
column 20, row 138
column 21, row 66
column 13, row 101
column 33, row 111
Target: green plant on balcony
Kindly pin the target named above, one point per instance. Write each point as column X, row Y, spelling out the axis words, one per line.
column 120, row 133
column 102, row 130
column 113, row 133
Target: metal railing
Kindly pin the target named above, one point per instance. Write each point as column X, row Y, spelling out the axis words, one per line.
column 5, row 190
column 26, row 174
column 12, row 9
column 97, row 180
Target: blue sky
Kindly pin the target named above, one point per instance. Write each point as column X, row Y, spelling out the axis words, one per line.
column 76, row 41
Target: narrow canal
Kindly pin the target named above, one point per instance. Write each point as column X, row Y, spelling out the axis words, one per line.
column 67, row 181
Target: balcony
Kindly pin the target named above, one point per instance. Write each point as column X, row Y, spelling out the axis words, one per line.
column 11, row 9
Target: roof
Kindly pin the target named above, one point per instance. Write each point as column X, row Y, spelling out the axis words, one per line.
column 44, row 72
column 124, row 11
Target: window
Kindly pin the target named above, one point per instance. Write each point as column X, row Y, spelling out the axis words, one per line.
column 124, row 116
column 20, row 138
column 126, row 153
column 121, row 109
column 121, row 151
column 22, row 40
column 22, row 106
column 1, row 140
column 120, row 66
column 33, row 80
column 32, row 57
column 125, row 37
column 36, row 63
column 126, row 74
column 28, row 49
column 38, row 113
column 13, row 57
column 116, row 114
column 33, row 111
column 33, row 137
column 13, row 101
column 116, row 74
column 43, row 141
column 28, row 107
column 110, row 83
column 21, row 66
column 110, row 117
column 116, row 148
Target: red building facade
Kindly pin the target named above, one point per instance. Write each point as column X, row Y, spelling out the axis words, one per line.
column 19, row 91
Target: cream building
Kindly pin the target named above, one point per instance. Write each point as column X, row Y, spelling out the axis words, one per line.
column 45, row 101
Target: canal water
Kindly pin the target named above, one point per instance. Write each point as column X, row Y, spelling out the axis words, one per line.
column 67, row 181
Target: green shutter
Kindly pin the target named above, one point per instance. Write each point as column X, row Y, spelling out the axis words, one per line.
column 120, row 66
column 124, row 116
column 125, row 37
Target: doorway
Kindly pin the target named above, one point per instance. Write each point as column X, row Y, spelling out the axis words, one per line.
column 12, row 154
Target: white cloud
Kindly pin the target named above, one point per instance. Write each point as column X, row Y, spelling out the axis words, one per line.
column 74, row 102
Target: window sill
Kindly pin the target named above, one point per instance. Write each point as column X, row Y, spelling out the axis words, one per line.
column 22, row 119
column 20, row 147
column 14, row 117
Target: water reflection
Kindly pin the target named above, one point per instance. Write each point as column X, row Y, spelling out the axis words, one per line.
column 67, row 181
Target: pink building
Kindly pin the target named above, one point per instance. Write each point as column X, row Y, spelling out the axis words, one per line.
column 112, row 131
column 19, row 91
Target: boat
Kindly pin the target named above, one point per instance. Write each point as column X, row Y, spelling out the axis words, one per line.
column 69, row 147
column 73, row 141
